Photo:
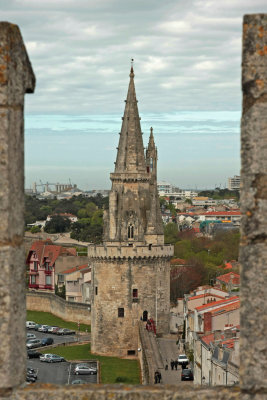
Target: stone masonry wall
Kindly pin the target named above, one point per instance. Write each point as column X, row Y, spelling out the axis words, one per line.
column 16, row 78
column 253, row 253
column 67, row 310
column 115, row 281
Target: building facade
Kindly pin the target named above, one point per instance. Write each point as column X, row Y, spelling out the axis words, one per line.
column 131, row 270
column 234, row 183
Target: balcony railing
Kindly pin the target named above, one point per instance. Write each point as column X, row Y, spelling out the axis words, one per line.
column 48, row 287
column 47, row 272
column 33, row 285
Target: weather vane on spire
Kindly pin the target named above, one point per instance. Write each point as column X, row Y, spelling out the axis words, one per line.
column 132, row 61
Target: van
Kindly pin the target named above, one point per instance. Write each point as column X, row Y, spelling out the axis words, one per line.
column 30, row 324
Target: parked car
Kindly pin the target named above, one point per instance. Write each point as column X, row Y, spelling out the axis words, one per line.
column 33, row 343
column 52, row 328
column 51, row 358
column 182, row 359
column 43, row 328
column 30, row 325
column 33, row 354
column 65, row 331
column 37, row 326
column 47, row 341
column 77, row 382
column 187, row 374
column 84, row 369
column 30, row 336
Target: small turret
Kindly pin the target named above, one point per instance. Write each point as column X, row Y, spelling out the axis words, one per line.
column 151, row 156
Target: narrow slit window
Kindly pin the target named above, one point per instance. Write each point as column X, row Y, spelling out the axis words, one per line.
column 121, row 312
column 130, row 231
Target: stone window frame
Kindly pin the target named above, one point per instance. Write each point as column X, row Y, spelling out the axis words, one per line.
column 18, row 79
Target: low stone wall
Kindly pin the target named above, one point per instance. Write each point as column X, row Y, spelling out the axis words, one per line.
column 48, row 302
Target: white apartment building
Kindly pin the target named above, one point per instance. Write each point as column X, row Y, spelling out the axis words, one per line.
column 234, row 183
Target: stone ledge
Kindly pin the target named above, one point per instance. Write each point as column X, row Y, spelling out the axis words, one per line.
column 127, row 252
column 123, row 392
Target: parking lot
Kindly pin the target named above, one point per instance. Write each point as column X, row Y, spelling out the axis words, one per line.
column 57, row 338
column 60, row 373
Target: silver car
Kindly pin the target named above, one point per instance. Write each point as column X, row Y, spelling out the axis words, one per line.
column 84, row 369
column 30, row 336
column 51, row 358
column 33, row 343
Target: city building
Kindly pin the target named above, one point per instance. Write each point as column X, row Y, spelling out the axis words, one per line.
column 234, row 183
column 77, row 281
column 41, row 261
column 131, row 270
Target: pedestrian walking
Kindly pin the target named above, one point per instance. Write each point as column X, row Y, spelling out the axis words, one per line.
column 176, row 364
column 172, row 364
column 159, row 377
column 156, row 377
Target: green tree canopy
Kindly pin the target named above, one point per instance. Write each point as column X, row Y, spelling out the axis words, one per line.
column 57, row 224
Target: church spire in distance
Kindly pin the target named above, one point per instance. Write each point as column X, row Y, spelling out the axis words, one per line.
column 130, row 156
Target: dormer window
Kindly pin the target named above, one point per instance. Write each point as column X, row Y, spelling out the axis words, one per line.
column 130, row 231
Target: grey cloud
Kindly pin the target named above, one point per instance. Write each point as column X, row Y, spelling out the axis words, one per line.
column 187, row 53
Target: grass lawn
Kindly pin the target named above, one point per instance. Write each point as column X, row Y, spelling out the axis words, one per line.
column 113, row 370
column 46, row 318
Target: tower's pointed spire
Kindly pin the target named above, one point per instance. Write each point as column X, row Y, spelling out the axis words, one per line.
column 130, row 156
column 151, row 143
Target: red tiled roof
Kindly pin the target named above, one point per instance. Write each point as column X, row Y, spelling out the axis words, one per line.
column 230, row 276
column 78, row 268
column 45, row 248
column 208, row 338
column 222, row 213
column 218, row 303
column 226, row 308
column 178, row 261
column 62, row 215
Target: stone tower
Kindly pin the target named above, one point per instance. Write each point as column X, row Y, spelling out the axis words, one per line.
column 131, row 270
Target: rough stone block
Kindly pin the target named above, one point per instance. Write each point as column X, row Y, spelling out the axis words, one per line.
column 253, row 250
column 16, row 78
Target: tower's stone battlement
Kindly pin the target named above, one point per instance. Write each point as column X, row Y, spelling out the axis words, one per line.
column 128, row 252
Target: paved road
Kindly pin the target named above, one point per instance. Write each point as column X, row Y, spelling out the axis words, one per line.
column 169, row 350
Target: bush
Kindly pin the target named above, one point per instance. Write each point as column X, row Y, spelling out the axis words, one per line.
column 35, row 229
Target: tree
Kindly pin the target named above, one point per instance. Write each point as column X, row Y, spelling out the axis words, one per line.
column 171, row 233
column 57, row 224
column 191, row 276
column 35, row 229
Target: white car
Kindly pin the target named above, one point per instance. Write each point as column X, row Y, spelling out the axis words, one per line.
column 30, row 336
column 182, row 359
column 30, row 324
column 43, row 328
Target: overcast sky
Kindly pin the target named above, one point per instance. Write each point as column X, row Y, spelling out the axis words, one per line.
column 187, row 58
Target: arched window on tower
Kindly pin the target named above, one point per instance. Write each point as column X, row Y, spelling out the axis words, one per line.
column 130, row 231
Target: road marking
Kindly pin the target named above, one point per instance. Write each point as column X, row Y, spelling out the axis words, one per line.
column 69, row 374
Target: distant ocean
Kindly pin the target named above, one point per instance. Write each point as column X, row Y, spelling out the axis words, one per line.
column 196, row 149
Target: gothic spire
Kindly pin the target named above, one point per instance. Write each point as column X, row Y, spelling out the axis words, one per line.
column 130, row 156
